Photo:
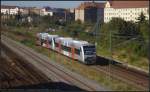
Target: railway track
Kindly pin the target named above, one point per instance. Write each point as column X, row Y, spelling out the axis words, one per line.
column 55, row 71
column 118, row 71
column 15, row 73
column 139, row 80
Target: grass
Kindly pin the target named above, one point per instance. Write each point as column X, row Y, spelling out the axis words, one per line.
column 82, row 69
column 123, row 53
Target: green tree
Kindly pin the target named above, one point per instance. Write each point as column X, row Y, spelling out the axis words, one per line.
column 144, row 30
column 141, row 18
column 116, row 24
column 123, row 28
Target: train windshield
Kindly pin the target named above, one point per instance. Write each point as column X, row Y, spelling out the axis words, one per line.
column 89, row 50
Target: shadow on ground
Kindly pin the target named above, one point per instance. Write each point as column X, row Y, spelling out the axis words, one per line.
column 104, row 61
column 59, row 86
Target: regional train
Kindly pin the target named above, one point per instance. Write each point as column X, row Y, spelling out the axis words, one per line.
column 75, row 49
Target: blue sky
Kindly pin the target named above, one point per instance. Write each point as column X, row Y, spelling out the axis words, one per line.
column 56, row 4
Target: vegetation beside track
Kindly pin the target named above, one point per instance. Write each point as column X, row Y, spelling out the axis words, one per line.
column 29, row 40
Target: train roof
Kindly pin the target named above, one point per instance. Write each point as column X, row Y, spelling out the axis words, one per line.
column 43, row 33
column 52, row 35
column 64, row 38
column 49, row 37
column 78, row 43
column 70, row 41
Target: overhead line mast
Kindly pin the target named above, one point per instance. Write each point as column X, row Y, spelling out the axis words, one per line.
column 95, row 30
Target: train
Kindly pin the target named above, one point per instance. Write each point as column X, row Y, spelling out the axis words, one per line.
column 75, row 49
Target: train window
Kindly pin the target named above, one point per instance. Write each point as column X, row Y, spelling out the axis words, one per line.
column 56, row 44
column 89, row 50
column 80, row 48
column 50, row 41
column 54, row 40
column 69, row 49
column 77, row 51
column 89, row 47
column 65, row 48
column 62, row 47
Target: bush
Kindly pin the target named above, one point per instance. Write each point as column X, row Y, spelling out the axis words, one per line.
column 28, row 42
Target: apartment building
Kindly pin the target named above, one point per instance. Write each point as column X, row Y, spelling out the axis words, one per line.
column 46, row 11
column 89, row 11
column 127, row 10
column 11, row 10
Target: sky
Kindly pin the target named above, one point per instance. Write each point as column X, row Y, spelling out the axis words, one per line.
column 55, row 4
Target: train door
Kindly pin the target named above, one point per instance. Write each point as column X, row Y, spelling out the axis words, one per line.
column 53, row 43
column 82, row 54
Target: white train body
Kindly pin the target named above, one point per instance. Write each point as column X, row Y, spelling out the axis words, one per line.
column 79, row 50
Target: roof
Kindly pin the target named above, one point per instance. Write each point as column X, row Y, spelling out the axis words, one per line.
column 91, row 4
column 129, row 4
column 8, row 7
column 28, row 8
column 49, row 9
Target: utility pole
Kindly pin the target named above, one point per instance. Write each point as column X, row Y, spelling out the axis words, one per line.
column 8, row 14
column 18, row 15
column 39, row 16
column 110, row 50
column 65, row 15
column 97, row 27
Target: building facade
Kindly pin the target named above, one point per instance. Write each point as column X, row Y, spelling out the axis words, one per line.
column 89, row 11
column 79, row 15
column 127, row 10
column 70, row 14
column 30, row 10
column 11, row 10
column 46, row 11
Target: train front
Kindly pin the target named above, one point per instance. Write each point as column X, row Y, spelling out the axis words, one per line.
column 89, row 54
